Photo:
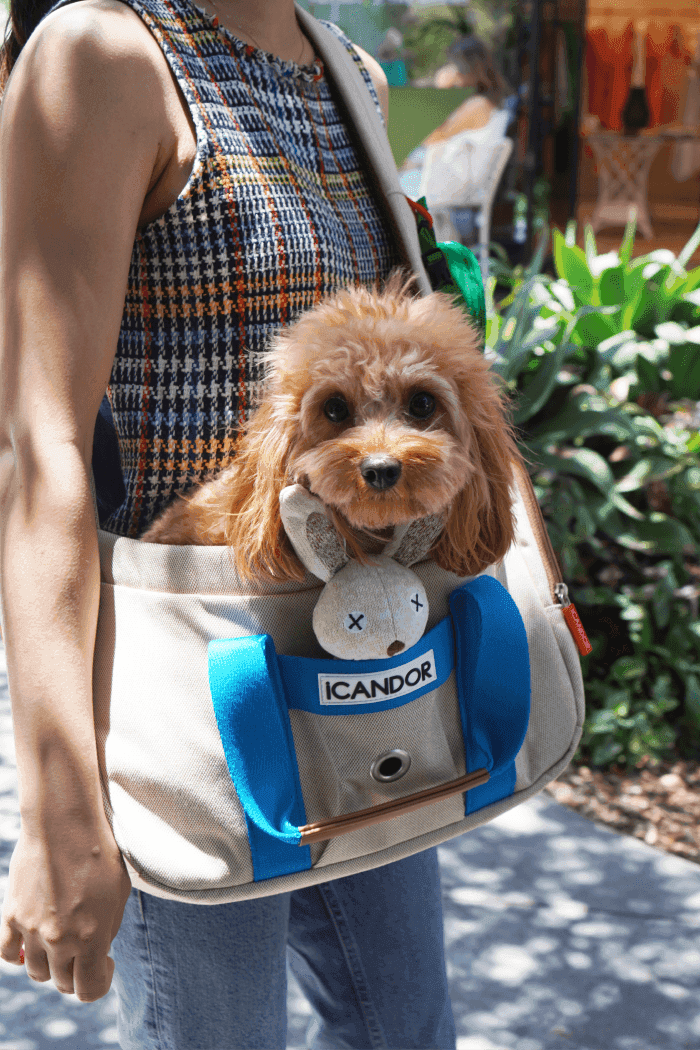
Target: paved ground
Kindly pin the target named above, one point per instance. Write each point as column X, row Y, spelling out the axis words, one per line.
column 560, row 936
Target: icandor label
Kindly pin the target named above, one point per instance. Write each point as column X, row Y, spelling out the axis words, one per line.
column 383, row 685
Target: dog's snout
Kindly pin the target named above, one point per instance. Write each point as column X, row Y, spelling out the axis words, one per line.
column 380, row 472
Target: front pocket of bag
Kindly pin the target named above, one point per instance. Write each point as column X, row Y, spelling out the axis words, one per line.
column 302, row 737
column 341, row 758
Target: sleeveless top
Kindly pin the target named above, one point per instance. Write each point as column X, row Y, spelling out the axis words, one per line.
column 276, row 214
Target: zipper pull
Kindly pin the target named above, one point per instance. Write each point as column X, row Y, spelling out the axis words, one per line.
column 573, row 620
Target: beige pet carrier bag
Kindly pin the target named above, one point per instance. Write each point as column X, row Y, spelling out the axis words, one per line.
column 238, row 760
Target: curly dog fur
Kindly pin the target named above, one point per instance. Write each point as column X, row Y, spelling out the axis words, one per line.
column 383, row 355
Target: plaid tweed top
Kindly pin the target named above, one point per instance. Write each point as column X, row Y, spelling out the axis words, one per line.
column 276, row 214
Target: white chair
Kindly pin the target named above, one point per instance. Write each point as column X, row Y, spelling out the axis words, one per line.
column 464, row 172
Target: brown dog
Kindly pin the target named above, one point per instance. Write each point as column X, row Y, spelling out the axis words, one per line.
column 382, row 405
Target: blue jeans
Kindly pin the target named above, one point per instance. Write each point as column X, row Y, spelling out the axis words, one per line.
column 367, row 951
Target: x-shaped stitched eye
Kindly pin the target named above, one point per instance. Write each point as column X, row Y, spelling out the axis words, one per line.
column 353, row 621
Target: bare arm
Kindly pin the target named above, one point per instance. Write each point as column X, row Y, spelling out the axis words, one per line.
column 79, row 143
column 474, row 112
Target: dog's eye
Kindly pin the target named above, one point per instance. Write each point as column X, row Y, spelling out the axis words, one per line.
column 421, row 405
column 336, row 409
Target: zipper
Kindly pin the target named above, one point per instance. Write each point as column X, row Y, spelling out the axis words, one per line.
column 559, row 590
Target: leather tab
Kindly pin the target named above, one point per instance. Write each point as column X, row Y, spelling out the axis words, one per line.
column 364, row 818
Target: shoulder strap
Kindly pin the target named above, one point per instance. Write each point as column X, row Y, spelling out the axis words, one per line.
column 372, row 136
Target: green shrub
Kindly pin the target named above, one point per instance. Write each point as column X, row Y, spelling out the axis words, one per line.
column 603, row 364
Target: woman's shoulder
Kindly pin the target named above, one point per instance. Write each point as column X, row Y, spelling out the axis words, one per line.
column 473, row 114
column 89, row 38
column 91, row 59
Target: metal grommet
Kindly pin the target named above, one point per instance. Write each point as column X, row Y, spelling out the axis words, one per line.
column 391, row 765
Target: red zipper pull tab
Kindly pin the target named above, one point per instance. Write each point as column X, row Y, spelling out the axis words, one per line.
column 573, row 620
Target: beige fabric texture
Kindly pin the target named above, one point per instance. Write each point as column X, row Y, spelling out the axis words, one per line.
column 166, row 786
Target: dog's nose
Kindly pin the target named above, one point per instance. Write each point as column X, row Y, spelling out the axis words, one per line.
column 381, row 472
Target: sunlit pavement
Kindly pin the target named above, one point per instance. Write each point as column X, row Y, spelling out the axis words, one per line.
column 560, row 936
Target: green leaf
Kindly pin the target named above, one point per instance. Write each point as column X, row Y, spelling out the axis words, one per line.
column 586, row 463
column 629, row 312
column 573, row 422
column 646, row 425
column 662, row 535
column 640, row 313
column 627, row 244
column 661, row 604
column 616, row 699
column 605, row 721
column 585, row 525
column 662, row 689
column 593, row 327
column 691, row 283
column 535, row 266
column 628, row 667
column 634, row 281
column 644, row 637
column 664, row 300
column 605, row 753
column 642, row 472
column 692, row 698
column 687, row 253
column 494, row 323
column 516, row 355
column 648, row 375
column 570, row 263
column 537, row 392
column 611, row 287
column 684, row 366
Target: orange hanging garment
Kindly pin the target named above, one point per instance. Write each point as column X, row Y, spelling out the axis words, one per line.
column 609, row 68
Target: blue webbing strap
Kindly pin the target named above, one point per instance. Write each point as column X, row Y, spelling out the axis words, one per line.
column 493, row 684
column 256, row 735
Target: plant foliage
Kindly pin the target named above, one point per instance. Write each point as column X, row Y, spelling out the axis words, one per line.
column 603, row 363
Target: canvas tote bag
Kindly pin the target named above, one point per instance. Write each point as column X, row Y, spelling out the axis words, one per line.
column 237, row 760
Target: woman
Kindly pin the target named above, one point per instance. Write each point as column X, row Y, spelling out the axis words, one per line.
column 472, row 67
column 176, row 183
column 484, row 113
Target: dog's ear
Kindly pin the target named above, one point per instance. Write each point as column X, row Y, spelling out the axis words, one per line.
column 313, row 536
column 480, row 524
column 254, row 529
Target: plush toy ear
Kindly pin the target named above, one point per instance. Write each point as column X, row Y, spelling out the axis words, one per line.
column 412, row 543
column 314, row 538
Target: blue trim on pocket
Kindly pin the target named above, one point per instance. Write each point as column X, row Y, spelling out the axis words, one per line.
column 251, row 712
column 493, row 684
column 300, row 675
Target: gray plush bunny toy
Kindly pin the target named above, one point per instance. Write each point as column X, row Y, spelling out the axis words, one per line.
column 365, row 612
